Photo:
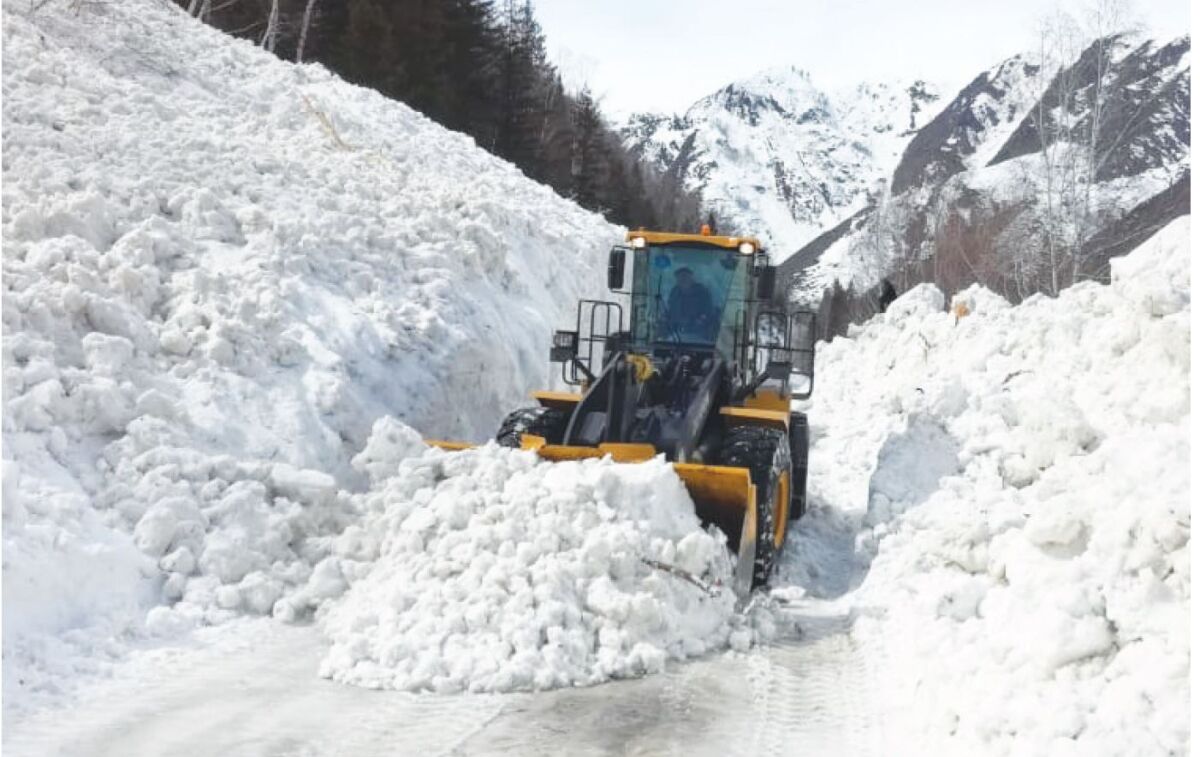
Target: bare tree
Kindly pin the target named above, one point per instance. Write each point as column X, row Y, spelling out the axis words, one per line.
column 882, row 249
column 1057, row 52
column 1104, row 21
column 271, row 35
column 304, row 24
column 1071, row 119
column 200, row 9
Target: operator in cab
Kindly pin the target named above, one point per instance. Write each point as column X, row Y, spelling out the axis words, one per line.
column 690, row 310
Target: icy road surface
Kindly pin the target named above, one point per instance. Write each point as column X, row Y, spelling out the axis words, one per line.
column 798, row 697
column 252, row 689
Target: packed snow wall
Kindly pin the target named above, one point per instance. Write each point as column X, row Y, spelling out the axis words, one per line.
column 1016, row 483
column 220, row 269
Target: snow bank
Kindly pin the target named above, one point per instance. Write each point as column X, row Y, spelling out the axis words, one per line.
column 1018, row 478
column 219, row 270
column 490, row 570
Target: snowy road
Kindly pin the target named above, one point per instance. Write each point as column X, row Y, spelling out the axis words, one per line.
column 798, row 697
column 252, row 689
column 262, row 697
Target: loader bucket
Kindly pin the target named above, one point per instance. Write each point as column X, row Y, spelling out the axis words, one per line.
column 724, row 496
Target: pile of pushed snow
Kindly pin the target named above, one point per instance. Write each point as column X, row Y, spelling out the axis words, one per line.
column 491, row 570
column 1019, row 478
column 219, row 270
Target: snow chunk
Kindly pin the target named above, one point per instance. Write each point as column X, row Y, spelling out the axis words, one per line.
column 499, row 572
column 1156, row 280
column 921, row 300
column 303, row 485
column 390, row 442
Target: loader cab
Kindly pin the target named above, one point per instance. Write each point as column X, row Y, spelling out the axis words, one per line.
column 700, row 298
column 696, row 293
column 688, row 296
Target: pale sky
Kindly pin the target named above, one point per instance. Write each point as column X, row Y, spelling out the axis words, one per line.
column 662, row 55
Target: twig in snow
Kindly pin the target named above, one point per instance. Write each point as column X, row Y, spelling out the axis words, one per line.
column 326, row 124
column 691, row 578
column 1011, row 376
column 926, row 348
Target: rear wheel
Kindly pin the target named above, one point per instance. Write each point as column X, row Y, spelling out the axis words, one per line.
column 766, row 453
column 546, row 422
column 799, row 439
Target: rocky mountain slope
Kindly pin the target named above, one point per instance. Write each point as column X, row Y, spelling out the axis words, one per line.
column 970, row 188
column 778, row 156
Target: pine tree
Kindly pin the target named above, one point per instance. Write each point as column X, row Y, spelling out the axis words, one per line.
column 473, row 47
column 556, row 141
column 369, row 51
column 839, row 311
column 522, row 70
column 588, row 166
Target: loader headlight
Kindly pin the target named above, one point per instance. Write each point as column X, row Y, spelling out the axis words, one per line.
column 638, row 242
column 564, row 346
column 746, row 248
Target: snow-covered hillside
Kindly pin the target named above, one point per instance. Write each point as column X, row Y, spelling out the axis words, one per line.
column 220, row 269
column 782, row 158
column 1015, row 483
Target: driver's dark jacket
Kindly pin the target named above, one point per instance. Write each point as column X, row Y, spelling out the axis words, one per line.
column 690, row 308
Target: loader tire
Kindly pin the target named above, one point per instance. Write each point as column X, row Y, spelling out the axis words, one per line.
column 546, row 422
column 798, row 432
column 766, row 452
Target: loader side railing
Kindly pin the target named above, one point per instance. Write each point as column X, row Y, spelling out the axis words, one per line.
column 596, row 321
column 782, row 346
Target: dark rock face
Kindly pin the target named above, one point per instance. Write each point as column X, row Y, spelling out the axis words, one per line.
column 1138, row 225
column 919, row 96
column 1145, row 122
column 937, row 151
column 751, row 107
column 788, row 272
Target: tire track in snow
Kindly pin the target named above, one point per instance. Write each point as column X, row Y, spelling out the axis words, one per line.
column 264, row 699
column 800, row 697
column 818, row 699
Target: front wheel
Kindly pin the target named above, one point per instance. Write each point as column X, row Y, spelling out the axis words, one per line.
column 799, row 438
column 766, row 453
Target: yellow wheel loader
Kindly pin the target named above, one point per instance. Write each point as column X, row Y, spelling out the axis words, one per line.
column 694, row 362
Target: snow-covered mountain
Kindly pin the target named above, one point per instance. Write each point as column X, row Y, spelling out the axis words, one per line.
column 974, row 169
column 778, row 156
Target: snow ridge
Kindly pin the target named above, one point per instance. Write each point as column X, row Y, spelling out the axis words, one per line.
column 1018, row 481
column 220, row 269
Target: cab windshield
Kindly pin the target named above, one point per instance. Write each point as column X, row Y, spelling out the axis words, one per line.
column 689, row 296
